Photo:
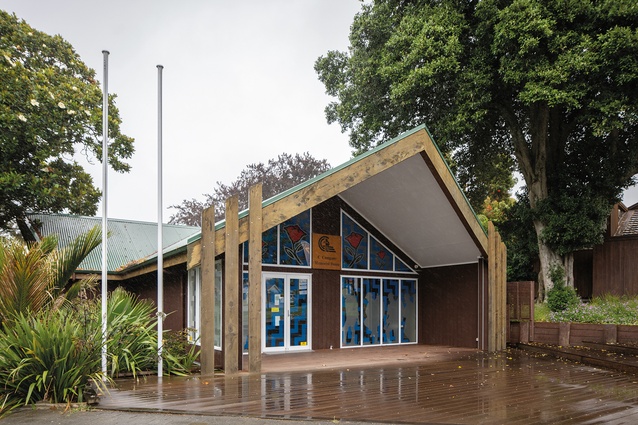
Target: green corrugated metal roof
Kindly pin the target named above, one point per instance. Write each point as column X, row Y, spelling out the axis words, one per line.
column 130, row 242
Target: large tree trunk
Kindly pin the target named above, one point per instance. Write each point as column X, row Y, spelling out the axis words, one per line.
column 548, row 259
column 535, row 157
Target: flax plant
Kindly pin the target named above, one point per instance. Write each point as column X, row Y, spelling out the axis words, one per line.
column 44, row 352
column 47, row 357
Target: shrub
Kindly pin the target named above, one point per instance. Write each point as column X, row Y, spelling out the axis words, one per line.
column 179, row 353
column 47, row 357
column 560, row 297
column 132, row 337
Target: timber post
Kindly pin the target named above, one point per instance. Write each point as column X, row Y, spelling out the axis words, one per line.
column 254, row 279
column 207, row 300
column 231, row 288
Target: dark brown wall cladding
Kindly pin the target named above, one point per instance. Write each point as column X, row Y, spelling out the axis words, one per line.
column 583, row 272
column 326, row 217
column 175, row 285
column 449, row 304
column 326, row 307
column 615, row 269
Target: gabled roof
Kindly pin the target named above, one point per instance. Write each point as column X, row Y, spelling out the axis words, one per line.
column 130, row 242
column 403, row 187
column 628, row 221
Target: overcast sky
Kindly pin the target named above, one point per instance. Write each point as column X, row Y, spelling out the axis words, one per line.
column 239, row 85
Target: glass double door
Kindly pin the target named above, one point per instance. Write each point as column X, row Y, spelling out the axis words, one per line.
column 286, row 312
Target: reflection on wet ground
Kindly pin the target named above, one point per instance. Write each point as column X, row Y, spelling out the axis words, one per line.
column 464, row 387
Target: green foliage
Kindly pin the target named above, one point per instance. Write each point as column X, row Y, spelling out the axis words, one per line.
column 606, row 310
column 495, row 210
column 35, row 277
column 180, row 354
column 547, row 87
column 574, row 219
column 517, row 230
column 50, row 110
column 561, row 296
column 47, row 356
column 51, row 338
column 542, row 312
column 132, row 334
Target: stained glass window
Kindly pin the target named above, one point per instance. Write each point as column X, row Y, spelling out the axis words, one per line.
column 354, row 244
column 381, row 258
column 400, row 266
column 350, row 311
column 362, row 251
column 376, row 311
column 269, row 246
column 408, row 311
column 294, row 240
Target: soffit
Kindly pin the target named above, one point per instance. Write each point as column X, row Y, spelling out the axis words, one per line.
column 407, row 204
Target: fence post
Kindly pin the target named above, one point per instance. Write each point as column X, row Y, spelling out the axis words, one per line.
column 564, row 329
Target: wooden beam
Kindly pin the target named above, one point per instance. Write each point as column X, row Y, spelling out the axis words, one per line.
column 254, row 279
column 207, row 300
column 355, row 173
column 151, row 267
column 194, row 254
column 331, row 185
column 231, row 287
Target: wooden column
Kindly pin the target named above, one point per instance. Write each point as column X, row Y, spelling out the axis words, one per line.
column 497, row 290
column 491, row 285
column 503, row 285
column 254, row 279
column 207, row 299
column 231, row 287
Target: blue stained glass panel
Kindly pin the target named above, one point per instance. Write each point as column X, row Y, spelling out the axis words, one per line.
column 380, row 257
column 371, row 311
column 408, row 311
column 294, row 240
column 400, row 266
column 275, row 298
column 244, row 311
column 298, row 312
column 269, row 246
column 350, row 311
column 391, row 313
column 354, row 242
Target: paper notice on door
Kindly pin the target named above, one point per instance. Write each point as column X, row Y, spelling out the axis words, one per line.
column 277, row 319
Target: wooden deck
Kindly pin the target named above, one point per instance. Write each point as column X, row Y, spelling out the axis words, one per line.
column 414, row 384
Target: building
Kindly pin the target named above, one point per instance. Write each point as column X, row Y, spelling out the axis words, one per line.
column 382, row 250
column 132, row 257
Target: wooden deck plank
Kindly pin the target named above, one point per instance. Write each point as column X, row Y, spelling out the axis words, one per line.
column 465, row 388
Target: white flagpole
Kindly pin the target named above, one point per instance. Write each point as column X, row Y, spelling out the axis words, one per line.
column 160, row 228
column 105, row 167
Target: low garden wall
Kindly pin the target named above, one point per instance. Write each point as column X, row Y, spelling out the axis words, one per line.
column 567, row 334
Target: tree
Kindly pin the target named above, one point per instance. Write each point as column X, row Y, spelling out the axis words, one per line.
column 551, row 84
column 50, row 110
column 278, row 175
